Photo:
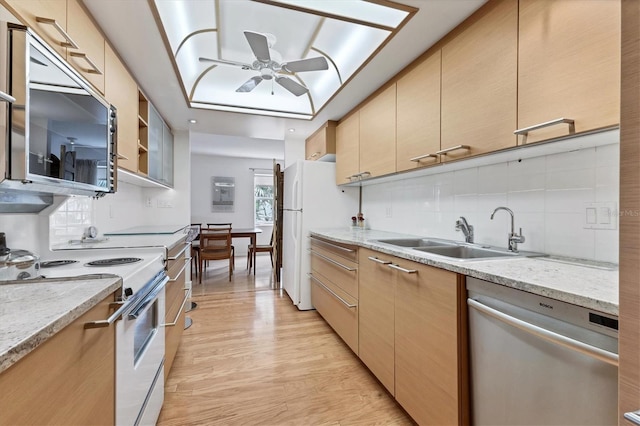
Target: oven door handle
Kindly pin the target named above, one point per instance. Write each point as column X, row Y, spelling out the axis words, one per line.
column 138, row 309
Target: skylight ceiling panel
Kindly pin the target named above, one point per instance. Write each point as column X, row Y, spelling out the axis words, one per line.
column 182, row 18
column 348, row 45
column 322, row 85
column 293, row 30
column 366, row 11
column 187, row 57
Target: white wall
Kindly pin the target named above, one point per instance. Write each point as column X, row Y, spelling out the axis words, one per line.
column 294, row 149
column 547, row 195
column 203, row 168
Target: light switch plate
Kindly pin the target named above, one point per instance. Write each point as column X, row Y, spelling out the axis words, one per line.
column 600, row 215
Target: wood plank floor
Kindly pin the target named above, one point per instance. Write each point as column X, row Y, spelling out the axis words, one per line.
column 251, row 358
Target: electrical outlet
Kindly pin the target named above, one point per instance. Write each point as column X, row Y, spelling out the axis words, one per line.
column 149, row 202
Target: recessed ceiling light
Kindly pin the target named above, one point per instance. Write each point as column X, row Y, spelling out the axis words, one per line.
column 193, row 121
column 292, row 130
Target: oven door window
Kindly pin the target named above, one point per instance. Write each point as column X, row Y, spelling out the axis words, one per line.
column 68, row 128
column 145, row 328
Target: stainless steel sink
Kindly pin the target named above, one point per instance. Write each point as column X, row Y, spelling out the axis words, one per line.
column 467, row 252
column 456, row 249
column 417, row 242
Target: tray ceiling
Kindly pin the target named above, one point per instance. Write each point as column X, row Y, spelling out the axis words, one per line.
column 209, row 44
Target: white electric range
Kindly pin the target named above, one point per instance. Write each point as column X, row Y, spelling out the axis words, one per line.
column 140, row 336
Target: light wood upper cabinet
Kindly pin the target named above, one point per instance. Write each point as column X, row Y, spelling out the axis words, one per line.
column 122, row 91
column 378, row 134
column 418, row 115
column 430, row 356
column 376, row 316
column 347, row 148
column 89, row 58
column 62, row 23
column 47, row 17
column 322, row 144
column 569, row 65
column 479, row 83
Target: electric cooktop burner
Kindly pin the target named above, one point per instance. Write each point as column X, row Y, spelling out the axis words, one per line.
column 114, row 261
column 53, row 263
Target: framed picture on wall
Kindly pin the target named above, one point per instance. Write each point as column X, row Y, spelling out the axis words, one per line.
column 223, row 194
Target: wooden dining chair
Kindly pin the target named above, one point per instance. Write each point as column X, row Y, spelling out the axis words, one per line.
column 260, row 249
column 195, row 248
column 220, row 226
column 215, row 244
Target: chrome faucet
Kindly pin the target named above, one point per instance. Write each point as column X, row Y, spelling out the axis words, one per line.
column 514, row 238
column 467, row 230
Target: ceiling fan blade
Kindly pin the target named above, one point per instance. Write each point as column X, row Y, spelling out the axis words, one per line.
column 259, row 45
column 295, row 88
column 311, row 64
column 224, row 62
column 250, row 84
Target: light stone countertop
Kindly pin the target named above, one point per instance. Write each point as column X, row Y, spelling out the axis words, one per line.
column 150, row 240
column 32, row 311
column 580, row 282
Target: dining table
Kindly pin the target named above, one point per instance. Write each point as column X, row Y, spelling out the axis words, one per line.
column 252, row 234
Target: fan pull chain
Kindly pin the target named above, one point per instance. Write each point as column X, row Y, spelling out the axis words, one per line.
column 272, row 86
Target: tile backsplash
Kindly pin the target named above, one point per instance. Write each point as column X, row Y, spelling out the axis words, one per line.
column 548, row 195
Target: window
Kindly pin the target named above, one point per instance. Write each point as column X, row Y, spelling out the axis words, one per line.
column 263, row 197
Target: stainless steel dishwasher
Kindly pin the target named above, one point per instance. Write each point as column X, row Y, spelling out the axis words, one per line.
column 538, row 361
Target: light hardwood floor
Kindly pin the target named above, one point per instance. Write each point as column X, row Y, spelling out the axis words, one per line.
column 252, row 358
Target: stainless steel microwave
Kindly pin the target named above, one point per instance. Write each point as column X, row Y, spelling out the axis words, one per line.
column 57, row 134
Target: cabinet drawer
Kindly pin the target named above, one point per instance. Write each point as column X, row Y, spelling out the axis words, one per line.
column 338, row 252
column 342, row 272
column 337, row 308
column 175, row 292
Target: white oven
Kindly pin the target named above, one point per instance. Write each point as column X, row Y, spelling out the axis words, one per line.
column 140, row 342
column 140, row 356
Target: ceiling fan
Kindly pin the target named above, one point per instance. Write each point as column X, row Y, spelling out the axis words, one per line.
column 269, row 64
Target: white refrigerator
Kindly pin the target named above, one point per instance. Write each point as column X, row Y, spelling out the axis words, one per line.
column 311, row 200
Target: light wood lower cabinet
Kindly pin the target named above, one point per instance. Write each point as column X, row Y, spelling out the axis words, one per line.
column 68, row 380
column 334, row 287
column 176, row 299
column 412, row 323
column 430, row 344
column 376, row 316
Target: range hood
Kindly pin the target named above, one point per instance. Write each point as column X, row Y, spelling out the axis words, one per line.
column 23, row 201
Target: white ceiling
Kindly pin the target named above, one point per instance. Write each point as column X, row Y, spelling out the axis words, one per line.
column 132, row 30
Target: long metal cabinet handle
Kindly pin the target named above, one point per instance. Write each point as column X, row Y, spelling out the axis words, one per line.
column 399, row 268
column 550, row 336
column 328, row 259
column 68, row 41
column 422, row 157
column 525, row 131
column 175, row 320
column 93, row 67
column 113, row 318
column 453, row 148
column 186, row 246
column 172, row 280
column 375, row 259
column 317, row 240
column 633, row 416
column 344, row 302
column 6, row 97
